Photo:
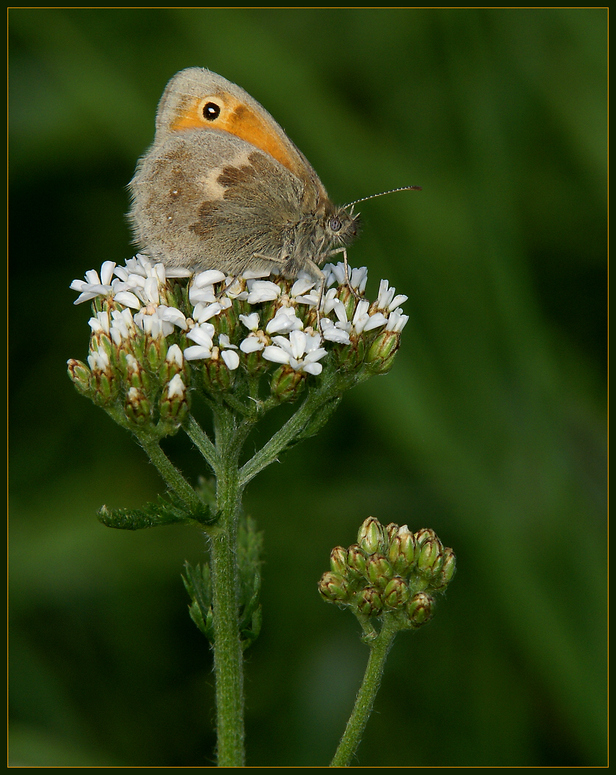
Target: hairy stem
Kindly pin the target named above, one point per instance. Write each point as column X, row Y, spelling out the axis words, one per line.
column 172, row 476
column 379, row 649
column 228, row 659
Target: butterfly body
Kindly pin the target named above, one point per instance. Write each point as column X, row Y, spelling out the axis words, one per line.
column 223, row 187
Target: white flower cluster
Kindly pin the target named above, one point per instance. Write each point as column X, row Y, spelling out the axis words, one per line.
column 140, row 288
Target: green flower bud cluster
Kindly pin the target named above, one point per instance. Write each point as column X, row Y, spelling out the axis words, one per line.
column 389, row 571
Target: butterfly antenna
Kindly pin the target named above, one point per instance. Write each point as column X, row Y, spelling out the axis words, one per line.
column 374, row 196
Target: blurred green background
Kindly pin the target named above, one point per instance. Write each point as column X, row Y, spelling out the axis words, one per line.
column 491, row 427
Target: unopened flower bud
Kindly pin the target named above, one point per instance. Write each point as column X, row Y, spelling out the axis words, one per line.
column 369, row 602
column 423, row 535
column 382, row 351
column 447, row 571
column 287, row 383
column 396, row 593
column 379, row 570
column 402, row 550
column 80, row 374
column 371, row 536
column 333, row 588
column 391, row 530
column 173, row 404
column 350, row 356
column 137, row 406
column 420, row 609
column 172, row 365
column 430, row 558
column 356, row 560
column 338, row 560
column 155, row 352
column 135, row 374
column 216, row 375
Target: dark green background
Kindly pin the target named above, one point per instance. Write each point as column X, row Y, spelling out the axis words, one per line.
column 491, row 427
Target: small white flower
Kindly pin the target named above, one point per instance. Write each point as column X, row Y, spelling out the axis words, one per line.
column 208, row 277
column 172, row 315
column 98, row 360
column 235, row 289
column 252, row 344
column 303, row 291
column 176, row 387
column 202, row 286
column 231, row 359
column 361, row 315
column 122, row 325
column 256, row 340
column 174, row 355
column 128, row 299
column 224, row 341
column 100, row 323
column 301, row 285
column 203, row 336
column 300, row 351
column 152, row 325
column 387, row 299
column 337, row 273
column 262, row 290
column 359, row 278
column 284, row 321
column 251, row 321
column 94, row 285
column 140, row 265
column 334, row 273
column 376, row 320
column 330, row 299
column 150, row 290
column 335, row 332
column 396, row 321
column 203, row 311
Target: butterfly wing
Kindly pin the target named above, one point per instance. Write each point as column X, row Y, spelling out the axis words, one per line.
column 223, row 186
column 211, row 200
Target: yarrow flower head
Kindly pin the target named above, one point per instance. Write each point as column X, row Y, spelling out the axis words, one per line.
column 389, row 571
column 158, row 335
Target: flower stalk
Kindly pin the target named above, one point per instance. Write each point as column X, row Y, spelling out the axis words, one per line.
column 364, row 702
column 390, row 580
column 242, row 346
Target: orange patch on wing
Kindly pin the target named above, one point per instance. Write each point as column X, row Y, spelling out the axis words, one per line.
column 189, row 118
column 241, row 121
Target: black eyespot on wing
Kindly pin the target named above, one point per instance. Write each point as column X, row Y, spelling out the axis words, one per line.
column 211, row 111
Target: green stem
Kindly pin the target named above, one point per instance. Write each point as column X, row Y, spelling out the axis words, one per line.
column 379, row 649
column 172, row 476
column 202, row 441
column 285, row 435
column 228, row 659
